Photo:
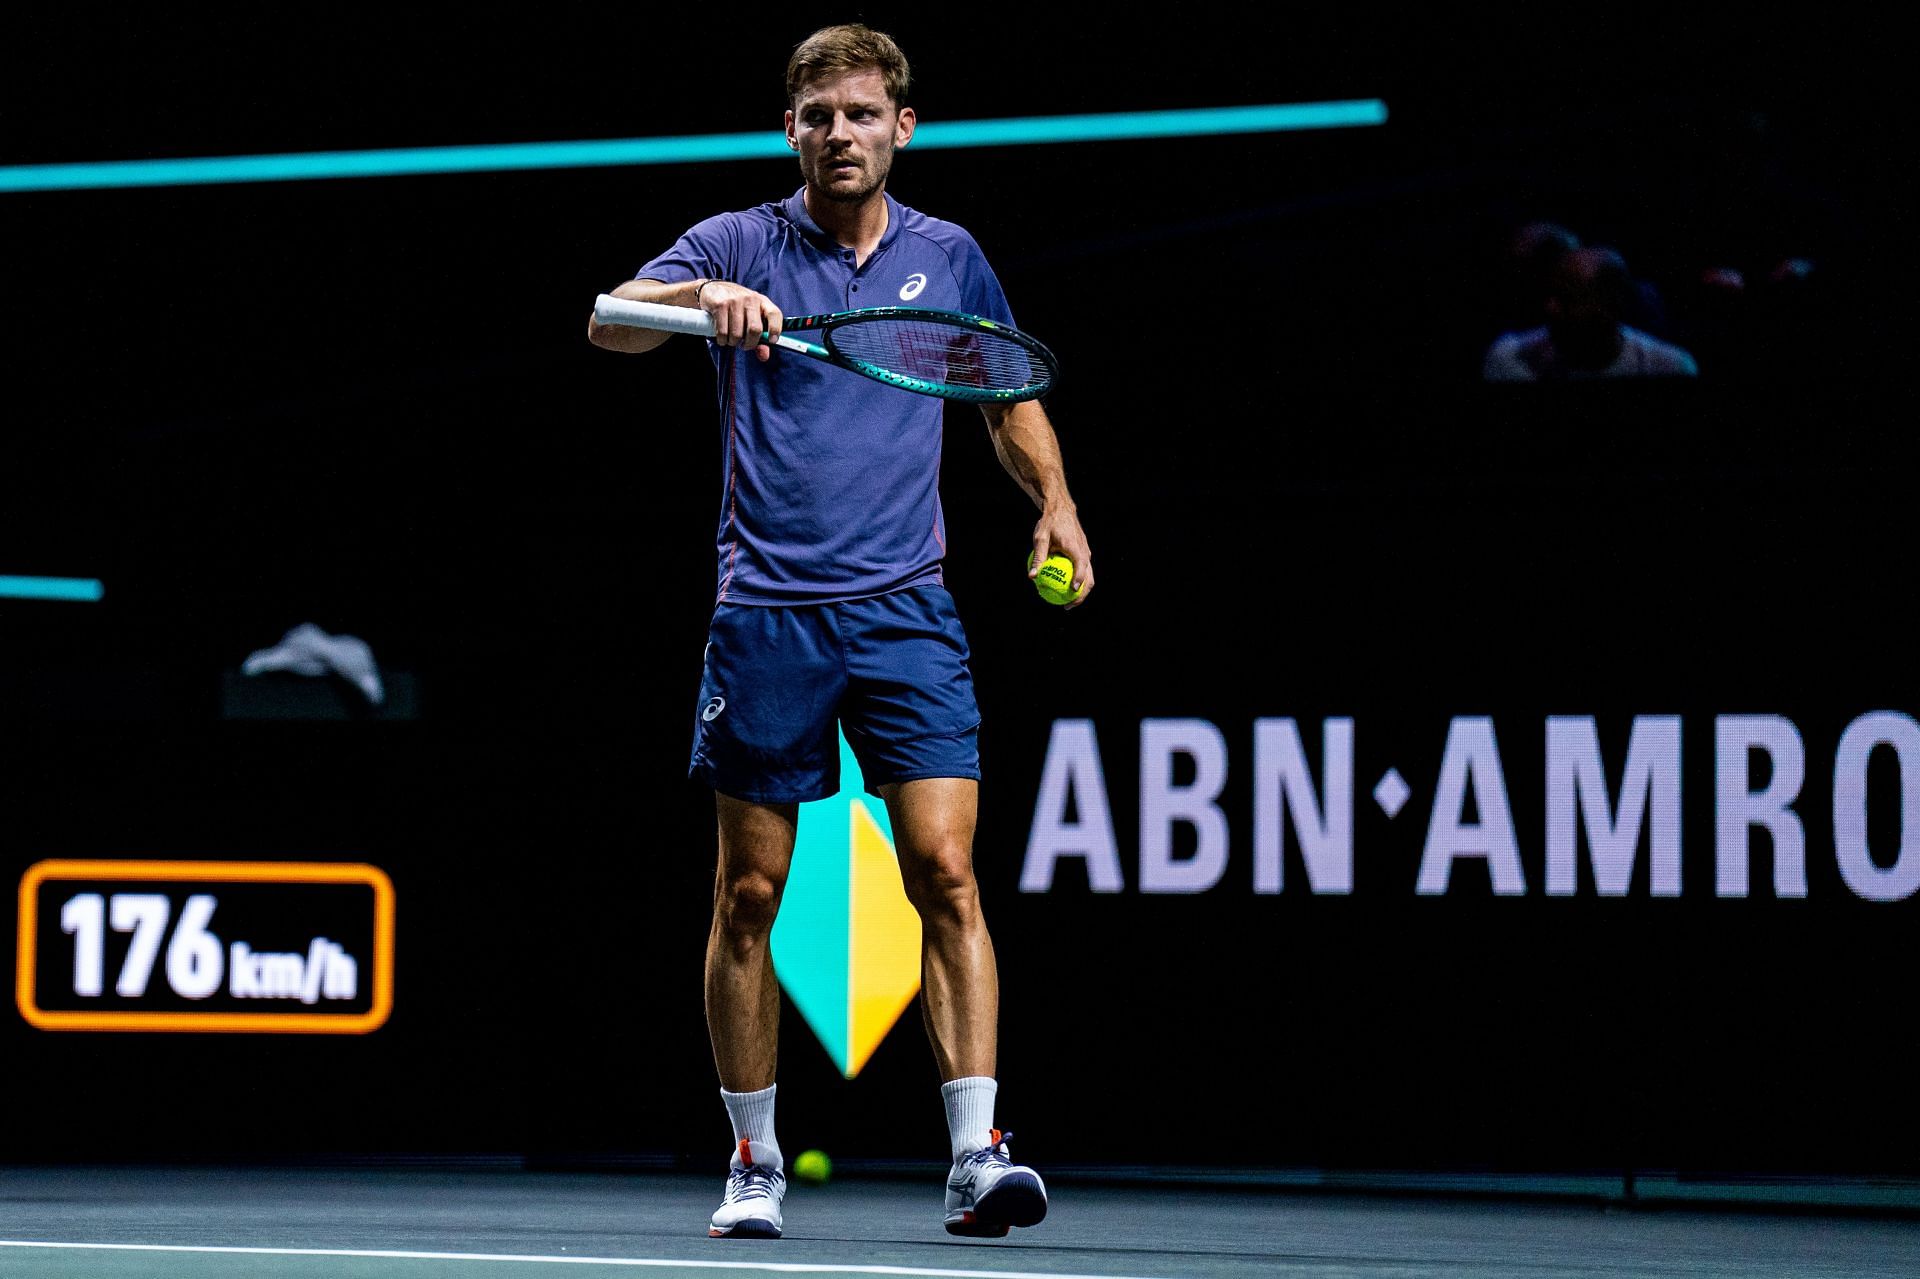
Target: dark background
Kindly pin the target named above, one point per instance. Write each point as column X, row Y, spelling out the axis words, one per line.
column 370, row 404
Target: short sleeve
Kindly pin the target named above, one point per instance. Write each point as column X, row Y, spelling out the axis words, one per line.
column 1504, row 361
column 709, row 251
column 980, row 291
column 1672, row 361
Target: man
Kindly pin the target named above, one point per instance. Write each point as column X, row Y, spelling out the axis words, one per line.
column 830, row 604
column 1533, row 253
column 1589, row 294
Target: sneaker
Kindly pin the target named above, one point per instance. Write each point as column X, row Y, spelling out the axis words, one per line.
column 751, row 1208
column 987, row 1192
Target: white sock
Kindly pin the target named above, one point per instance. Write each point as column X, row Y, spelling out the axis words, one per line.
column 969, row 1112
column 752, row 1115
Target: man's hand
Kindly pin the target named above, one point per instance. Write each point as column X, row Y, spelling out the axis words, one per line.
column 741, row 316
column 1025, row 442
column 1059, row 533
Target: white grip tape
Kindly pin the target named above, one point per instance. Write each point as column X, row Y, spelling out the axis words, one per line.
column 651, row 315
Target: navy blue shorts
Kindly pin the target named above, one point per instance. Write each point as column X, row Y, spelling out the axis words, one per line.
column 891, row 669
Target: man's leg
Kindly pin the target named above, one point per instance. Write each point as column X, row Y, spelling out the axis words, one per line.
column 743, row 1004
column 933, row 824
column 743, row 996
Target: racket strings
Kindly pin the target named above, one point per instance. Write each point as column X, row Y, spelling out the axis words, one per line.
column 976, row 359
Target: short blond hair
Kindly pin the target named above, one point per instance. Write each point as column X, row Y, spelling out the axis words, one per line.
column 849, row 47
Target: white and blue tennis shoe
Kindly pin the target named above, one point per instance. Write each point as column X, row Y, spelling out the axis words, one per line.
column 987, row 1192
column 755, row 1187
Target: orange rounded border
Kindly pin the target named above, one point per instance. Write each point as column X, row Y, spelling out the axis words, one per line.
column 25, row 974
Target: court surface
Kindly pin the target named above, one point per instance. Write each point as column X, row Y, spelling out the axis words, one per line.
column 416, row 1224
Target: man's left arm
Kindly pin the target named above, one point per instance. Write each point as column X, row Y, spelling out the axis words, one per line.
column 1024, row 440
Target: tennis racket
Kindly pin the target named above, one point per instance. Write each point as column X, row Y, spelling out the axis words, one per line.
column 944, row 353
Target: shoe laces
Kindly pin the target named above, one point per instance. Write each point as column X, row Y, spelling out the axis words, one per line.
column 751, row 1182
column 993, row 1154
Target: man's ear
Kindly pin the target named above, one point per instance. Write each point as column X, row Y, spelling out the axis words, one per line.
column 903, row 128
column 793, row 143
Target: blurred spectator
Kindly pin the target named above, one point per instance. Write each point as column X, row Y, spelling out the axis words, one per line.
column 1790, row 271
column 1763, row 321
column 1590, row 295
column 1724, row 279
column 1533, row 254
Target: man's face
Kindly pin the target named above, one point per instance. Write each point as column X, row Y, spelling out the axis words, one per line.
column 1582, row 313
column 846, row 129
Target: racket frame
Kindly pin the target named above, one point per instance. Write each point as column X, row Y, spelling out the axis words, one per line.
column 608, row 309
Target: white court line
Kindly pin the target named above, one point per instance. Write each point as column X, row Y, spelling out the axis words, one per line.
column 780, row 1267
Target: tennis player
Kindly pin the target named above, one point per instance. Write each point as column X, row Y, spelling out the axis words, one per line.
column 831, row 604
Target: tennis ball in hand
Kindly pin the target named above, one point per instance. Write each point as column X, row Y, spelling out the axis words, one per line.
column 812, row 1166
column 1055, row 582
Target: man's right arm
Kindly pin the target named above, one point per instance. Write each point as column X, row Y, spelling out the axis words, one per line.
column 624, row 337
column 739, row 314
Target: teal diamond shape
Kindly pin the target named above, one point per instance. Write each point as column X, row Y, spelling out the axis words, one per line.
column 812, row 941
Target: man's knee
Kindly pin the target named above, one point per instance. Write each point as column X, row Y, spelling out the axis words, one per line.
column 939, row 881
column 746, row 904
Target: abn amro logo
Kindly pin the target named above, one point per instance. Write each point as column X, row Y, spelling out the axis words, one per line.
column 846, row 945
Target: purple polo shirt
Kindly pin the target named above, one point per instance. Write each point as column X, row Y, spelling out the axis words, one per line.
column 832, row 487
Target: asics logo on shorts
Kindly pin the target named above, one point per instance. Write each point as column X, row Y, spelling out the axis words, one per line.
column 713, row 710
column 911, row 289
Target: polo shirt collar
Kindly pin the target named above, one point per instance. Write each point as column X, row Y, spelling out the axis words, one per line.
column 796, row 208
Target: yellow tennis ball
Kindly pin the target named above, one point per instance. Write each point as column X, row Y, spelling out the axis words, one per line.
column 812, row 1166
column 1055, row 581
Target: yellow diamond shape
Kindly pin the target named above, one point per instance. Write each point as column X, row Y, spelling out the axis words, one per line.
column 883, row 940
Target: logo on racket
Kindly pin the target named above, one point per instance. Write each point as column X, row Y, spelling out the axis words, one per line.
column 911, row 289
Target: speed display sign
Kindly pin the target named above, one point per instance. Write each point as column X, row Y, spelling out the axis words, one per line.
column 285, row 947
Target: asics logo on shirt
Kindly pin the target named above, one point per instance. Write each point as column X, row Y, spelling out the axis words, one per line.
column 911, row 289
column 713, row 710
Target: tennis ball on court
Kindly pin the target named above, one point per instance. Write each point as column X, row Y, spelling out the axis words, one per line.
column 812, row 1166
column 1055, row 582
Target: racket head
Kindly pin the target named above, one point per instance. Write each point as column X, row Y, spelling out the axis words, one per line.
column 950, row 354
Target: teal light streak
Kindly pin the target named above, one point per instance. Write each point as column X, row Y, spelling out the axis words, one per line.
column 80, row 590
column 1211, row 121
column 688, row 149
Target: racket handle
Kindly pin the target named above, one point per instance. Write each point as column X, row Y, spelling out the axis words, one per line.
column 651, row 315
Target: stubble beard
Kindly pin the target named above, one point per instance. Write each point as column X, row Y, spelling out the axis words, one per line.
column 876, row 170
